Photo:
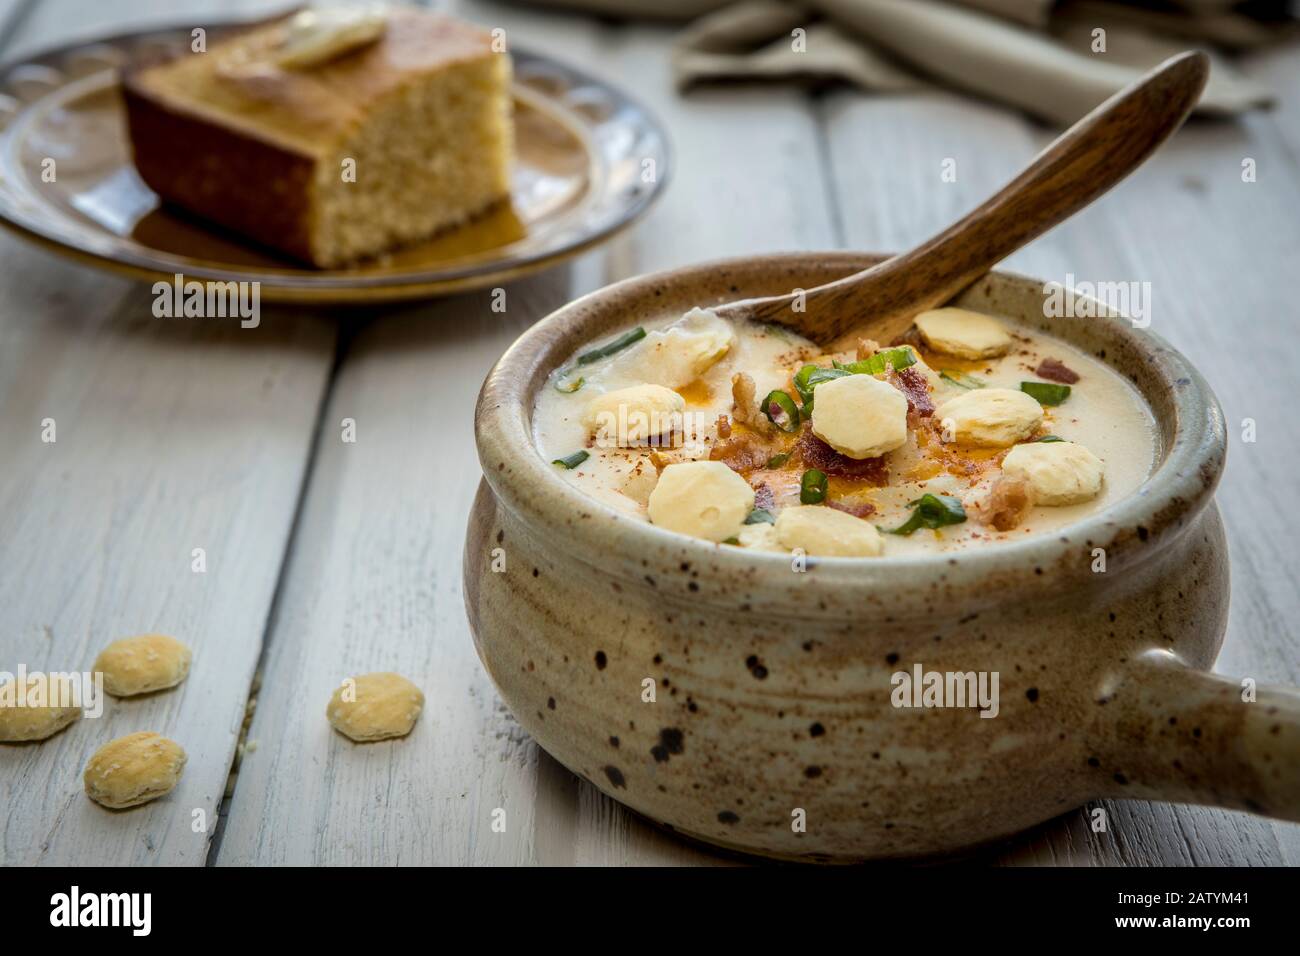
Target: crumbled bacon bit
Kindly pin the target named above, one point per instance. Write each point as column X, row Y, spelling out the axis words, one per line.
column 743, row 451
column 867, row 348
column 951, row 457
column 859, row 509
column 817, row 454
column 744, row 406
column 764, row 497
column 639, row 482
column 724, row 426
column 913, row 385
column 1056, row 371
column 1009, row 500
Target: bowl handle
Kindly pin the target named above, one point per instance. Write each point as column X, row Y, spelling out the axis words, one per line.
column 1171, row 732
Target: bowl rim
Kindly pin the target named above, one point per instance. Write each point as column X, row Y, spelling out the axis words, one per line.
column 1142, row 523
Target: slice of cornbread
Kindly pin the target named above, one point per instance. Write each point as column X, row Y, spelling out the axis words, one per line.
column 330, row 146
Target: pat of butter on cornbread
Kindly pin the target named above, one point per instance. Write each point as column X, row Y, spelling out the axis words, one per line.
column 332, row 138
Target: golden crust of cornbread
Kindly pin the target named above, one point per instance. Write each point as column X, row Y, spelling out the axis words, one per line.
column 231, row 136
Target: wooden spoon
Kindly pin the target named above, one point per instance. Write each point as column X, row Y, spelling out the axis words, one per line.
column 1085, row 161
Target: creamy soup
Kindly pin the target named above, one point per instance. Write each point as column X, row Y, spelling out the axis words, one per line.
column 969, row 430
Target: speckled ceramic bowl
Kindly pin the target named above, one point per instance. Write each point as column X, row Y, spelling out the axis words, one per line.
column 772, row 729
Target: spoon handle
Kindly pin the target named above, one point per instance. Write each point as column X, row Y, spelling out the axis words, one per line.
column 1086, row 160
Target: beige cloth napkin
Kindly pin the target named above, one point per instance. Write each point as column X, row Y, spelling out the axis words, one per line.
column 1037, row 55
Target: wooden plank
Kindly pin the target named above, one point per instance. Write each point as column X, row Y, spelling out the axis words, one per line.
column 12, row 13
column 1279, row 68
column 373, row 583
column 1214, row 297
column 906, row 167
column 374, row 578
column 170, row 435
column 168, row 439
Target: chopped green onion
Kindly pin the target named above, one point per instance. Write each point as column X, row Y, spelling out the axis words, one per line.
column 812, row 487
column 932, row 511
column 760, row 516
column 1049, row 438
column 732, row 540
column 961, row 379
column 1046, row 393
column 899, row 358
column 568, row 385
column 776, row 461
column 781, row 411
column 896, row 358
column 572, row 461
column 608, row 349
column 801, row 383
column 810, row 376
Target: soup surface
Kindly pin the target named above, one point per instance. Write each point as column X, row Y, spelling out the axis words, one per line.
column 967, row 431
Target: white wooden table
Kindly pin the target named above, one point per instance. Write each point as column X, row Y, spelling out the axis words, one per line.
column 327, row 558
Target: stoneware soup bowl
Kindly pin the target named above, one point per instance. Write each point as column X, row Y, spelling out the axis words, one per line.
column 772, row 728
